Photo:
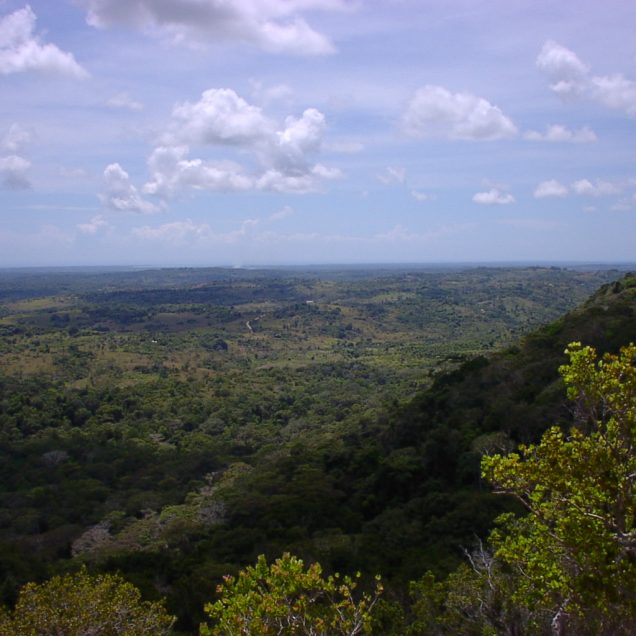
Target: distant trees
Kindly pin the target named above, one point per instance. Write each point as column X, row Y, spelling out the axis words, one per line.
column 567, row 567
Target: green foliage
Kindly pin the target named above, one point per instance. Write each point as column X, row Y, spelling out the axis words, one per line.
column 81, row 605
column 575, row 553
column 285, row 598
column 174, row 424
column 476, row 599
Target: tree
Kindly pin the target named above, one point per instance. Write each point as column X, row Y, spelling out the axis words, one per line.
column 285, row 598
column 574, row 554
column 83, row 605
column 474, row 600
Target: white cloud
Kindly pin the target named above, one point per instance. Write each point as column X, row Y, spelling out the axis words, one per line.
column 435, row 112
column 582, row 187
column 284, row 158
column 324, row 172
column 272, row 25
column 558, row 133
column 570, row 77
column 14, row 173
column 16, row 138
column 300, row 182
column 22, row 51
column 172, row 171
column 13, row 167
column 121, row 195
column 293, row 37
column 565, row 69
column 123, row 100
column 599, row 188
column 550, row 188
column 393, row 174
column 301, row 137
column 616, row 92
column 219, row 117
column 493, row 197
column 96, row 224
column 420, row 196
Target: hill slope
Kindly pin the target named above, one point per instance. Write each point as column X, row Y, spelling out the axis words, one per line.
column 396, row 492
column 399, row 493
column 415, row 473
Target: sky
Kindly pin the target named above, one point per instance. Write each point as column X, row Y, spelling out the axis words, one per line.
column 269, row 132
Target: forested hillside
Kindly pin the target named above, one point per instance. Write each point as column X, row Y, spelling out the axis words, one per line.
column 175, row 425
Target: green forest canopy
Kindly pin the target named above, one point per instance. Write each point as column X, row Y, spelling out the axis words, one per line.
column 173, row 443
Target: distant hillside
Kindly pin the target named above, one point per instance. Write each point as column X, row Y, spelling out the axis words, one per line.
column 175, row 443
column 414, row 474
column 518, row 391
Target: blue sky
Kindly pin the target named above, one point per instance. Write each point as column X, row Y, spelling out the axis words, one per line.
column 242, row 132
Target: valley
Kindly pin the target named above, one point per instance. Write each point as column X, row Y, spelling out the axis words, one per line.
column 174, row 424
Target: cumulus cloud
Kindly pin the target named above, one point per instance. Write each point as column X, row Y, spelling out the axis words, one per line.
column 598, row 188
column 121, row 195
column 493, row 197
column 14, row 173
column 571, row 78
column 568, row 73
column 283, row 157
column 616, row 92
column 558, row 133
column 21, row 50
column 291, row 147
column 435, row 112
column 125, row 101
column 219, row 117
column 278, row 181
column 172, row 171
column 550, row 188
column 275, row 26
column 582, row 187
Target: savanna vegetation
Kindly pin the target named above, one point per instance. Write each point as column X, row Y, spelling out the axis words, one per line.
column 172, row 426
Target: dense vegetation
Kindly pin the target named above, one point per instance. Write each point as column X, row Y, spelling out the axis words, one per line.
column 175, row 425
